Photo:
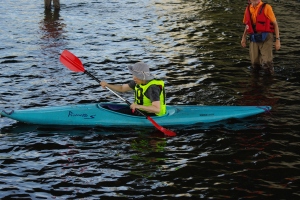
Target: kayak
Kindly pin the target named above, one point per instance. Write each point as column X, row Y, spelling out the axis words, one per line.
column 107, row 115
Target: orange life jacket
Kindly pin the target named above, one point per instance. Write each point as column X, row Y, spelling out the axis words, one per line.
column 263, row 24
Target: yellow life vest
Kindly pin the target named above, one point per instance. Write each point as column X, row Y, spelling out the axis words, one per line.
column 141, row 99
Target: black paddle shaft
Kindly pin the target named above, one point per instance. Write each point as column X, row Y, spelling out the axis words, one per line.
column 92, row 76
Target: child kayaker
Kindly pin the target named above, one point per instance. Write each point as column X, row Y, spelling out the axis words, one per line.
column 149, row 92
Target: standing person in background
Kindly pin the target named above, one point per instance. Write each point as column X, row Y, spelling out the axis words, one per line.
column 261, row 25
column 56, row 4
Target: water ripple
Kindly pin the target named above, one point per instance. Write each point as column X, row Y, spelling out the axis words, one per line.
column 195, row 47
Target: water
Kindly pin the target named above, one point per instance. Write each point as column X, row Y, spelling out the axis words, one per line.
column 195, row 47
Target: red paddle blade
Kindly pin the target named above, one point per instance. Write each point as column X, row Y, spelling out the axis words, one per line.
column 162, row 129
column 71, row 61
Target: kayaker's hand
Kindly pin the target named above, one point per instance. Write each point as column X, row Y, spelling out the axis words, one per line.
column 134, row 106
column 103, row 84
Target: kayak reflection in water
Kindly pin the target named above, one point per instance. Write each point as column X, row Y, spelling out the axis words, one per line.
column 149, row 92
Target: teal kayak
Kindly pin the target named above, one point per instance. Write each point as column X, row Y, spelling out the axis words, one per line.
column 106, row 115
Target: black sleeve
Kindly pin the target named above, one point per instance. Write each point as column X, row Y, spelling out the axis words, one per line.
column 132, row 84
column 153, row 93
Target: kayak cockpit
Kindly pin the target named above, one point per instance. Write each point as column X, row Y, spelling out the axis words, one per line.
column 120, row 107
column 113, row 107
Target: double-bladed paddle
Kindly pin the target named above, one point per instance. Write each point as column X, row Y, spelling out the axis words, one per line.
column 73, row 63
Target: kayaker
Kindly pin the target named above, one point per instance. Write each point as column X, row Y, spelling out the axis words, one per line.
column 149, row 92
column 261, row 25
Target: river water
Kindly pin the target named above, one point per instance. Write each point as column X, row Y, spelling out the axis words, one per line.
column 195, row 47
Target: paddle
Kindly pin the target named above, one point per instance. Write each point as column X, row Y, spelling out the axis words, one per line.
column 74, row 64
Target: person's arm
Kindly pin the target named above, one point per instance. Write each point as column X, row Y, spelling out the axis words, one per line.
column 270, row 14
column 245, row 21
column 277, row 37
column 154, row 108
column 244, row 38
column 118, row 88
